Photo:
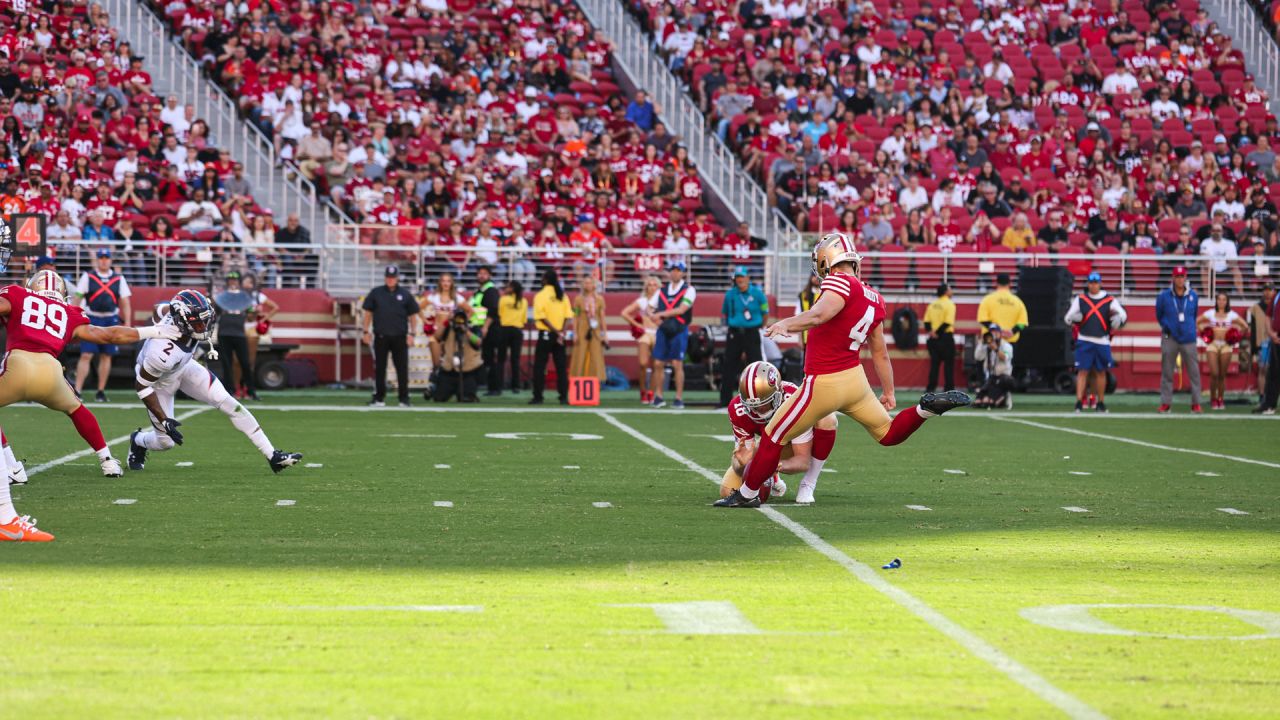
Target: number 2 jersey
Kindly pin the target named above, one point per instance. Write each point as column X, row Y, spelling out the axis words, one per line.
column 37, row 324
column 163, row 359
column 834, row 345
column 746, row 427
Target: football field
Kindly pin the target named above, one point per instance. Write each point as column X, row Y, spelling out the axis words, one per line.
column 500, row 561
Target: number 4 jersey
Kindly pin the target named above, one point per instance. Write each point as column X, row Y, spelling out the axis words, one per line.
column 37, row 324
column 834, row 345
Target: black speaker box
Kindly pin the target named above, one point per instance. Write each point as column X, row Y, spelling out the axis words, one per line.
column 1047, row 292
column 1044, row 347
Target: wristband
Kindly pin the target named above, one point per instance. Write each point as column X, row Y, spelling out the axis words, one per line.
column 149, row 332
column 145, row 392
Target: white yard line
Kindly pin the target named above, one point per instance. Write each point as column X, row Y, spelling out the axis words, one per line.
column 921, row 508
column 443, row 503
column 1141, row 443
column 114, row 441
column 1232, row 511
column 602, row 504
column 1016, row 671
column 286, row 503
column 1075, row 509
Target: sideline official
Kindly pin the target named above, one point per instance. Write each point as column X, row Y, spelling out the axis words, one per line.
column 940, row 321
column 551, row 313
column 387, row 309
column 1177, row 308
column 1005, row 309
column 744, row 310
column 104, row 295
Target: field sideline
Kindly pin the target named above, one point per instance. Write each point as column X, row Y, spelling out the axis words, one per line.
column 446, row 563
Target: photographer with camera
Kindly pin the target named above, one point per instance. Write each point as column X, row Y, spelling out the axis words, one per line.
column 460, row 359
column 995, row 354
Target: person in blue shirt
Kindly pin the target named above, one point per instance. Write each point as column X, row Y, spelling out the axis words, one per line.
column 1177, row 309
column 642, row 112
column 744, row 310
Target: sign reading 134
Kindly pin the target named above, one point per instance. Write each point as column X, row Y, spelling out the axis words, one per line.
column 39, row 314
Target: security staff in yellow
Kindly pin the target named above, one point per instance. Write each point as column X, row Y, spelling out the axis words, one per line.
column 1005, row 309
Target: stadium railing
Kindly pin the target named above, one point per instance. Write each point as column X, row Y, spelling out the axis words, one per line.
column 1249, row 31
column 351, row 262
column 174, row 70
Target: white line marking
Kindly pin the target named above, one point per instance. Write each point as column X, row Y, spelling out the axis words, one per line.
column 286, row 503
column 1016, row 671
column 442, row 466
column 415, row 435
column 395, row 608
column 1076, row 618
column 443, row 503
column 1078, row 472
column 1206, row 473
column 1075, row 508
column 601, row 504
column 953, row 471
column 125, row 501
column 1140, row 443
column 918, row 507
column 722, row 438
column 828, row 470
column 114, row 441
column 184, row 463
column 314, row 465
column 1232, row 511
column 572, row 467
column 708, row 617
column 536, row 435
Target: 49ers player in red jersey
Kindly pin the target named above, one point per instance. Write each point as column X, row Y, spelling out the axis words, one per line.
column 847, row 315
column 761, row 391
column 40, row 324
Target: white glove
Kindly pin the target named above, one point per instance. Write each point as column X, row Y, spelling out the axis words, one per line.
column 162, row 332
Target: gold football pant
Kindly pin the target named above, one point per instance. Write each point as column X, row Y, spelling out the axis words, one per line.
column 35, row 377
column 846, row 392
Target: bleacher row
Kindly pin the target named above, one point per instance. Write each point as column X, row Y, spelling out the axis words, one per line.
column 500, row 120
column 1073, row 100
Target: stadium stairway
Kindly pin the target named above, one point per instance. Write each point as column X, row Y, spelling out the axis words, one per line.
column 1240, row 21
column 174, row 71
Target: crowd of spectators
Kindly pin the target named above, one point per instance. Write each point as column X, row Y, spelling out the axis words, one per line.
column 88, row 143
column 476, row 125
column 1060, row 126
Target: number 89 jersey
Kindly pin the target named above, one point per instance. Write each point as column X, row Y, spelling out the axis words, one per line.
column 834, row 345
column 38, row 324
column 164, row 359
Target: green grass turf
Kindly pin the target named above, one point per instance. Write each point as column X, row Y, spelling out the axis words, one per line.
column 205, row 599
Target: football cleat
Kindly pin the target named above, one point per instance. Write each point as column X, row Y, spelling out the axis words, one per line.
column 804, row 496
column 111, row 468
column 1196, row 408
column 17, row 474
column 281, row 460
column 377, row 403
column 137, row 458
column 678, row 404
column 1163, row 409
column 23, row 529
column 938, row 403
column 1079, row 406
column 735, row 500
column 1101, row 407
column 100, row 397
column 658, row 402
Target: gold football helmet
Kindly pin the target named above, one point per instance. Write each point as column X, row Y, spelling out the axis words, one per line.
column 833, row 249
column 760, row 388
column 49, row 284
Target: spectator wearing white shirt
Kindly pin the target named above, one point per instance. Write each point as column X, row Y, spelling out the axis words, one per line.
column 338, row 104
column 126, row 164
column 174, row 115
column 997, row 68
column 913, row 196
column 511, row 158
column 947, row 195
column 528, row 106
column 895, row 146
column 198, row 214
column 1220, row 255
column 1119, row 82
column 1229, row 205
column 868, row 52
column 190, row 168
column 1164, row 107
column 173, row 152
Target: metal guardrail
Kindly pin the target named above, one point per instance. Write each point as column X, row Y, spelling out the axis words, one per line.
column 1239, row 20
column 354, row 259
column 173, row 70
column 719, row 166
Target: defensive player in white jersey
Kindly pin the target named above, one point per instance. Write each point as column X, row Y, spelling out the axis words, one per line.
column 165, row 366
column 761, row 391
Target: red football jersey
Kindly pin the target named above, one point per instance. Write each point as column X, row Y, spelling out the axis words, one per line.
column 37, row 324
column 744, row 426
column 834, row 345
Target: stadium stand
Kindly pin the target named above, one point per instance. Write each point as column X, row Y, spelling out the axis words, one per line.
column 91, row 145
column 472, row 124
column 1104, row 127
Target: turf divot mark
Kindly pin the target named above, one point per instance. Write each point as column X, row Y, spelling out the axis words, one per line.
column 1078, row 472
column 314, row 465
column 113, row 441
column 184, row 463
column 1075, row 509
column 1072, row 706
column 1206, row 473
column 953, row 471
column 711, row 617
column 1131, row 441
column 443, row 503
column 125, row 501
column 572, row 467
column 1232, row 511
column 601, row 505
column 918, row 507
column 286, row 503
column 442, row 466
